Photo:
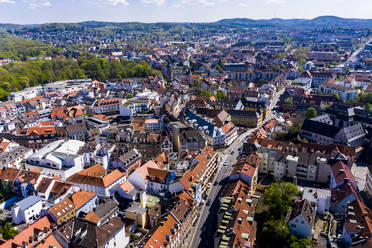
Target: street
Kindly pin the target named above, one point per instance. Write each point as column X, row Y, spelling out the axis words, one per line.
column 205, row 227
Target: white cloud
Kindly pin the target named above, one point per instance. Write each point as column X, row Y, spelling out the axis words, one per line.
column 153, row 2
column 34, row 4
column 182, row 3
column 113, row 2
column 7, row 1
column 276, row 1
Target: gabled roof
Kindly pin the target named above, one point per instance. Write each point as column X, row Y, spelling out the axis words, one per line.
column 9, row 174
column 342, row 172
column 97, row 176
column 41, row 225
column 158, row 174
column 62, row 208
column 80, row 198
column 320, row 128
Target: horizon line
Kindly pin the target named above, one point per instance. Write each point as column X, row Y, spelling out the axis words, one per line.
column 186, row 22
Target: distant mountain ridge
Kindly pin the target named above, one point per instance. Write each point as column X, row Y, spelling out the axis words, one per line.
column 318, row 22
column 321, row 21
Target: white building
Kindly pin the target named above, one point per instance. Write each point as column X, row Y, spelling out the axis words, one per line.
column 320, row 197
column 25, row 94
column 59, row 158
column 27, row 210
column 341, row 88
column 12, row 154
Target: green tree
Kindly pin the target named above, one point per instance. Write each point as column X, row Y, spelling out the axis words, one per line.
column 219, row 68
column 311, row 113
column 368, row 107
column 129, row 95
column 336, row 95
column 220, row 94
column 295, row 242
column 279, row 198
column 3, row 94
column 289, row 100
column 8, row 231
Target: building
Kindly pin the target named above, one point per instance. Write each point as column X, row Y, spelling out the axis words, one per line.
column 368, row 188
column 215, row 136
column 106, row 106
column 62, row 211
column 336, row 87
column 357, row 229
column 128, row 162
column 323, row 133
column 139, row 177
column 320, row 197
column 246, row 118
column 175, row 227
column 84, row 201
column 236, row 226
column 302, row 218
column 59, row 158
column 27, row 210
column 97, row 180
column 186, row 138
column 33, row 235
column 86, row 234
column 12, row 154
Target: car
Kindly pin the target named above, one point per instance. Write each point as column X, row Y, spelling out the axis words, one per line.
column 232, row 153
column 225, row 164
column 215, row 183
column 208, row 202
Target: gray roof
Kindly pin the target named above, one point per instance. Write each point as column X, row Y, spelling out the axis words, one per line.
column 28, row 202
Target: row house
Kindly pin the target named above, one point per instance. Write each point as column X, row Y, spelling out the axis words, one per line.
column 107, row 106
column 175, row 227
column 236, row 226
column 195, row 181
column 305, row 166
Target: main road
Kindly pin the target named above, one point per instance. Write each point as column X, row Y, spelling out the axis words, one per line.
column 203, row 233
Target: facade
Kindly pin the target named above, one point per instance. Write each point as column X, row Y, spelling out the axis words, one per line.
column 215, row 136
column 27, row 210
column 186, row 138
column 332, row 87
column 107, row 106
column 97, row 180
column 302, row 219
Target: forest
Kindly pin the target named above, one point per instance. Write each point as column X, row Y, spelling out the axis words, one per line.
column 23, row 72
column 16, row 76
column 18, row 48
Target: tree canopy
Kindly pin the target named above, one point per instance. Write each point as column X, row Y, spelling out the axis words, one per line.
column 311, row 113
column 279, row 198
column 20, row 49
column 16, row 76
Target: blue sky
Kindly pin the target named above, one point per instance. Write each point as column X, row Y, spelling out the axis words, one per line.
column 43, row 11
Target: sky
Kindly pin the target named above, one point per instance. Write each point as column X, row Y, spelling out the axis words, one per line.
column 45, row 11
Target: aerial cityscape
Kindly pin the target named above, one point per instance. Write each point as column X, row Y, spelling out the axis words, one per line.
column 185, row 124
